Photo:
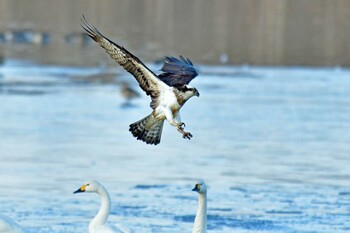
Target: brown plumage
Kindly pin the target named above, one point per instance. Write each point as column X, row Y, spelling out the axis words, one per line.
column 168, row 92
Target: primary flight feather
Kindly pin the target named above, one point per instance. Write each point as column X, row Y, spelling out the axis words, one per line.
column 169, row 91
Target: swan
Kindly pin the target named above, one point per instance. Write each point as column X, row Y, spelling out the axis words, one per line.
column 98, row 223
column 7, row 225
column 200, row 222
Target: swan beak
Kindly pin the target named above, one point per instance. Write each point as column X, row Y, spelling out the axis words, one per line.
column 196, row 188
column 80, row 190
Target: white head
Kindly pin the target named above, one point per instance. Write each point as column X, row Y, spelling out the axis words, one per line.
column 200, row 187
column 91, row 186
column 188, row 91
column 192, row 90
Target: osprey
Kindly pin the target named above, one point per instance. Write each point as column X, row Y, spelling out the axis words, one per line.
column 169, row 91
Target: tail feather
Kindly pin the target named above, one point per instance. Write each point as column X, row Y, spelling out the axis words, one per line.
column 148, row 129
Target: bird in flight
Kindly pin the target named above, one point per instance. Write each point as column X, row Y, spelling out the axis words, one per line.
column 169, row 90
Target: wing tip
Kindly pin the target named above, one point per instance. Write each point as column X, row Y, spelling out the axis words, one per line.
column 90, row 29
column 169, row 59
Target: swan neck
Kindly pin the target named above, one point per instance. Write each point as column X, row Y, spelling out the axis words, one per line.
column 104, row 211
column 200, row 222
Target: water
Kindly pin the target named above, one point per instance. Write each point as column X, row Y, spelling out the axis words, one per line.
column 271, row 143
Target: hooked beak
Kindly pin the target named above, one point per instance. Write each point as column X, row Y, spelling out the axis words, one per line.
column 196, row 93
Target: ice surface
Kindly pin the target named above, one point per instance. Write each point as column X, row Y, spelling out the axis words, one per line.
column 271, row 143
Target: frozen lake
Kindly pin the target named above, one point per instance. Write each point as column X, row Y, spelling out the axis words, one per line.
column 272, row 145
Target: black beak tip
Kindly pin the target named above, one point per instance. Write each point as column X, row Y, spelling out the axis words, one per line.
column 78, row 191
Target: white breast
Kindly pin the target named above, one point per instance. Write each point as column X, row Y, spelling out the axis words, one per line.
column 168, row 99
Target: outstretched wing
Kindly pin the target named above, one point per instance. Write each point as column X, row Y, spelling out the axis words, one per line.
column 148, row 81
column 177, row 72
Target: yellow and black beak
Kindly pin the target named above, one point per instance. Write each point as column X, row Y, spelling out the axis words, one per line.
column 196, row 188
column 80, row 190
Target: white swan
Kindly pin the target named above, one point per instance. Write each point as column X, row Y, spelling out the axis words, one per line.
column 200, row 222
column 7, row 225
column 98, row 223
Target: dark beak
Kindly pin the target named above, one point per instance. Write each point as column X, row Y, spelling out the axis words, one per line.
column 78, row 191
column 195, row 189
column 196, row 93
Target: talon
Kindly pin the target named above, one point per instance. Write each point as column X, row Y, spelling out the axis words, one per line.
column 187, row 135
column 181, row 125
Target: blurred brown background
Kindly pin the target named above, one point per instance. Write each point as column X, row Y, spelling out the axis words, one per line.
column 257, row 32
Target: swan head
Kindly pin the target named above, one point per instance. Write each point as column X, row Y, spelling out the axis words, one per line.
column 91, row 186
column 200, row 187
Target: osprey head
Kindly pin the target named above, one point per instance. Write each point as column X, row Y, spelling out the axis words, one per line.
column 188, row 91
column 195, row 91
